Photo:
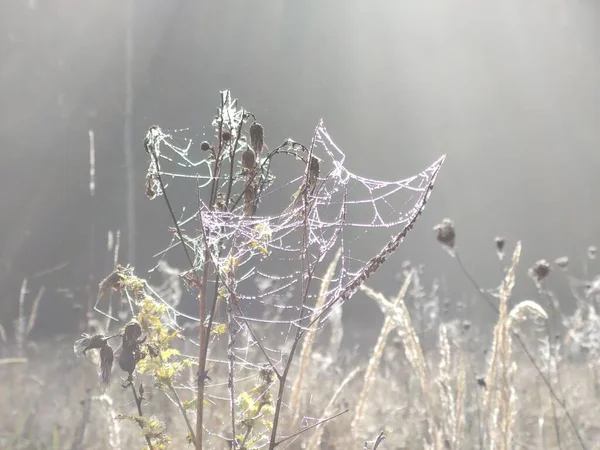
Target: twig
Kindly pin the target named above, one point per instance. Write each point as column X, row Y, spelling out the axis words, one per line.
column 183, row 412
column 138, row 402
column 379, row 440
column 320, row 422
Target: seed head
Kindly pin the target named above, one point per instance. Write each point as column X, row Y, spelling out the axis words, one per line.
column 128, row 360
column 445, row 233
column 248, row 159
column 257, row 137
column 132, row 334
column 226, row 136
column 205, row 146
column 539, row 271
column 500, row 241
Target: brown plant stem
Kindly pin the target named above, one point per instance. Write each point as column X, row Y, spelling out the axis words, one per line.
column 138, row 403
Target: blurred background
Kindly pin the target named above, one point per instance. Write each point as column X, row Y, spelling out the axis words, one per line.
column 509, row 90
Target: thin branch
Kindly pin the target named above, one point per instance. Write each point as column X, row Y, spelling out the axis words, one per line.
column 183, row 412
column 303, row 430
column 138, row 402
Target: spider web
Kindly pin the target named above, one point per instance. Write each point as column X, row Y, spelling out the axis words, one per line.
column 266, row 252
column 271, row 263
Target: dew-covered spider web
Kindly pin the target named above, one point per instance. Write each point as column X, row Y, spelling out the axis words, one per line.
column 266, row 223
column 259, row 227
column 254, row 230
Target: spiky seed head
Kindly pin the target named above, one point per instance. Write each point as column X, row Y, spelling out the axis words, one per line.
column 248, row 159
column 205, row 146
column 592, row 251
column 445, row 233
column 562, row 262
column 88, row 342
column 257, row 137
column 540, row 270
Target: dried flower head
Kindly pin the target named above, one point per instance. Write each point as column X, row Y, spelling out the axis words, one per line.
column 539, row 270
column 500, row 242
column 266, row 374
column 88, row 342
column 131, row 334
column 562, row 262
column 257, row 137
column 106, row 363
column 226, row 136
column 205, row 146
column 445, row 233
column 113, row 281
column 592, row 251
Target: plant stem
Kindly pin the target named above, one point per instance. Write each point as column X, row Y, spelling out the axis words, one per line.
column 183, row 412
column 138, row 403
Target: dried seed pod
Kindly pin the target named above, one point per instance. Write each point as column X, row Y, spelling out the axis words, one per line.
column 205, row 146
column 128, row 360
column 539, row 271
column 106, row 363
column 111, row 282
column 562, row 262
column 248, row 159
column 266, row 374
column 226, row 136
column 445, row 233
column 250, row 199
column 313, row 172
column 131, row 334
column 500, row 242
column 257, row 137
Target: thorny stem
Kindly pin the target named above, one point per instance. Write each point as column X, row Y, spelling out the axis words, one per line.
column 529, row 356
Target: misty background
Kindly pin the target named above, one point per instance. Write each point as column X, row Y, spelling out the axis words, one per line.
column 509, row 90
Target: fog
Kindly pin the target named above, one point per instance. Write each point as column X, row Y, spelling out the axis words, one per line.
column 508, row 90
